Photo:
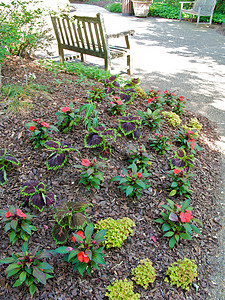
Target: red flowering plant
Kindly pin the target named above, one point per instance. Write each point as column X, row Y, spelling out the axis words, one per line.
column 180, row 182
column 177, row 222
column 169, row 98
column 133, row 182
column 90, row 173
column 187, row 139
column 86, row 253
column 6, row 163
column 154, row 100
column 67, row 117
column 159, row 143
column 28, row 267
column 17, row 224
column 96, row 94
column 179, row 105
column 40, row 131
column 139, row 156
column 117, row 106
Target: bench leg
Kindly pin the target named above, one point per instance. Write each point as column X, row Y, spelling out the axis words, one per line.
column 107, row 64
column 180, row 15
column 82, row 57
column 129, row 72
column 61, row 55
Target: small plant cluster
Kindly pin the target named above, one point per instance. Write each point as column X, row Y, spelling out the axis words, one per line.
column 177, row 222
column 90, row 173
column 141, row 93
column 139, row 156
column 117, row 106
column 193, row 124
column 122, row 290
column 154, row 101
column 144, row 273
column 151, row 118
column 130, row 124
column 117, row 231
column 6, row 163
column 96, row 94
column 17, row 224
column 67, row 118
column 159, row 143
column 133, row 182
column 172, row 118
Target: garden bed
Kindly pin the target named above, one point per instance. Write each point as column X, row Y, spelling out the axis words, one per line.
column 108, row 201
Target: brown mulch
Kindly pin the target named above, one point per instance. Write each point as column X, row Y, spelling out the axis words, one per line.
column 108, row 201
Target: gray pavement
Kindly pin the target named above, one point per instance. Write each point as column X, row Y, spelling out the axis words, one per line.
column 178, row 56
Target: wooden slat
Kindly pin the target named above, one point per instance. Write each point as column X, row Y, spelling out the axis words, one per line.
column 75, row 33
column 79, row 30
column 71, row 34
column 92, row 37
column 97, row 37
column 60, row 28
column 65, row 30
column 86, row 35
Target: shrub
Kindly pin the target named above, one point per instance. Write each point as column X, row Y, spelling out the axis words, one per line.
column 117, row 231
column 144, row 273
column 180, row 182
column 150, row 118
column 122, row 290
column 182, row 273
column 114, row 7
column 172, row 118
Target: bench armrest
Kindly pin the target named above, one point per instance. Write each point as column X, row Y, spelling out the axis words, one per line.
column 118, row 35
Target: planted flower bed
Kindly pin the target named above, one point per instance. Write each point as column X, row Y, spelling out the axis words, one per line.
column 151, row 177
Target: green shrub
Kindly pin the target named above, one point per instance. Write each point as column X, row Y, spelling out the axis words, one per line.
column 141, row 93
column 114, row 7
column 122, row 290
column 117, row 230
column 182, row 273
column 144, row 273
column 172, row 118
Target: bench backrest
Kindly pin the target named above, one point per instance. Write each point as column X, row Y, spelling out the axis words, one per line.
column 82, row 34
column 207, row 6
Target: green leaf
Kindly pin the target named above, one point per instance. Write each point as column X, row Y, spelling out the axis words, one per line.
column 97, row 257
column 196, row 229
column 17, row 283
column 25, row 247
column 12, row 272
column 82, row 268
column 141, row 184
column 177, row 237
column 23, row 276
column 161, row 221
column 12, row 267
column 169, row 233
column 187, row 227
column 7, row 226
column 39, row 275
column 32, row 289
column 166, row 227
column 26, row 227
column 100, row 234
column 12, row 235
column 14, row 224
column 172, row 242
column 129, row 190
column 7, row 260
column 185, row 204
column 44, row 266
column 61, row 250
column 172, row 193
column 185, row 236
column 89, row 231
column 72, row 254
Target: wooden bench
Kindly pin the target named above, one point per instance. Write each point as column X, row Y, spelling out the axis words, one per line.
column 87, row 35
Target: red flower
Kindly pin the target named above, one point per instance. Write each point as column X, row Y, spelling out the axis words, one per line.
column 181, row 98
column 80, row 233
column 117, row 98
column 166, row 92
column 32, row 128
column 139, row 174
column 44, row 124
column 65, row 109
column 176, row 171
column 190, row 132
column 7, row 214
column 83, row 257
column 111, row 102
column 37, row 120
column 186, row 217
column 150, row 91
column 192, row 143
column 20, row 213
column 156, row 133
column 173, row 94
column 150, row 100
column 85, row 162
column 119, row 102
column 42, row 270
column 179, row 206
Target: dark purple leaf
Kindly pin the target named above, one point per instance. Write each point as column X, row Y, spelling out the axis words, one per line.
column 109, row 132
column 180, row 153
column 56, row 160
column 52, row 144
column 76, row 206
column 50, row 198
column 128, row 127
column 2, row 176
column 116, row 84
column 137, row 133
column 66, row 145
column 77, row 220
column 135, row 80
column 29, row 187
column 41, row 186
column 93, row 139
column 125, row 97
column 99, row 128
column 106, row 153
column 124, row 118
column 190, row 161
column 133, row 117
column 112, row 78
column 108, row 90
column 173, row 217
column 11, row 159
column 59, row 234
column 130, row 90
column 176, row 162
column 37, row 201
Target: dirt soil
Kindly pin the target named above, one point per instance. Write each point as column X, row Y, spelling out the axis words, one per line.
column 108, row 201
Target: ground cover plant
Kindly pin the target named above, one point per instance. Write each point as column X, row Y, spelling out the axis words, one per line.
column 147, row 240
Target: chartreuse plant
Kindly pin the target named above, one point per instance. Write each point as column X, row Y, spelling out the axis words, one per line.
column 59, row 157
column 159, row 143
column 182, row 273
column 182, row 160
column 150, row 118
column 130, row 124
column 28, row 267
column 99, row 137
column 177, row 222
column 133, row 182
column 172, row 118
column 90, row 173
column 86, row 253
column 37, row 194
column 117, row 231
column 17, row 224
column 141, row 93
column 193, row 124
column 144, row 273
column 40, row 131
column 139, row 156
column 67, row 117
column 122, row 290
column 69, row 216
column 180, row 182
column 6, row 163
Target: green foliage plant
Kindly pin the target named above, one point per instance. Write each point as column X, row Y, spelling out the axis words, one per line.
column 59, row 157
column 130, row 124
column 67, row 118
column 177, row 222
column 180, row 182
column 117, row 106
column 159, row 143
column 150, row 118
column 17, row 224
column 169, row 98
column 144, row 273
column 86, row 253
column 187, row 139
column 133, row 182
column 182, row 273
column 139, row 156
column 117, row 231
column 172, row 118
column 40, row 131
column 90, row 118
column 179, row 105
column 28, row 267
column 69, row 216
column 182, row 160
column 90, row 173
column 96, row 94
column 114, row 7
column 6, row 162
column 121, row 290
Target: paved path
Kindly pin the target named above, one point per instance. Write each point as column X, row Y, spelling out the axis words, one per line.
column 178, row 57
